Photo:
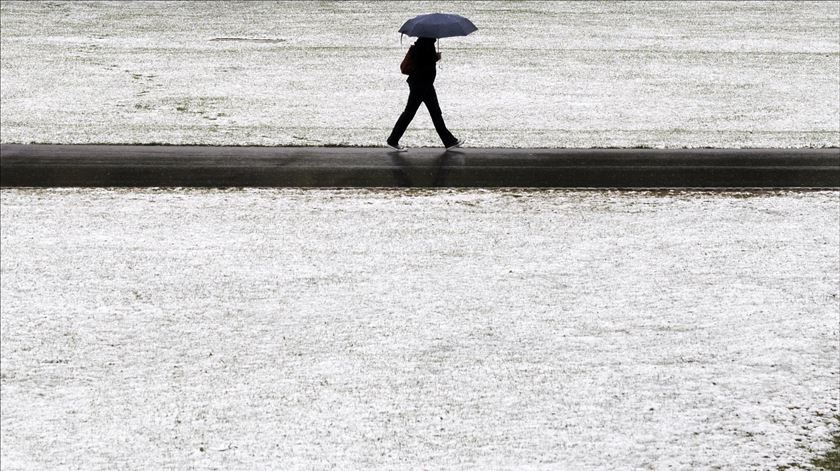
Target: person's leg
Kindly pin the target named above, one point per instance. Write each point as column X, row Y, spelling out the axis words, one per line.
column 430, row 98
column 414, row 100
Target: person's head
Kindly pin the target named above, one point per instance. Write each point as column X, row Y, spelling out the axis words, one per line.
column 425, row 41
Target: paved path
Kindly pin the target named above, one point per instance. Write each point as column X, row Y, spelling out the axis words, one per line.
column 200, row 166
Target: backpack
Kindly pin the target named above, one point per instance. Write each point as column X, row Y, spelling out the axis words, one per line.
column 407, row 65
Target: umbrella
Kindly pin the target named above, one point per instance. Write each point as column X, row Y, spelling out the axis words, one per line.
column 437, row 25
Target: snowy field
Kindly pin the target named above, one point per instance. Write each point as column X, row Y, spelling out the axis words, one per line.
column 275, row 329
column 535, row 74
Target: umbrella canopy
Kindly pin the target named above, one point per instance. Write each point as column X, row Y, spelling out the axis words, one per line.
column 438, row 25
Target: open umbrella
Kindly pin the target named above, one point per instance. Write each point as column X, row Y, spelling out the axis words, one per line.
column 437, row 25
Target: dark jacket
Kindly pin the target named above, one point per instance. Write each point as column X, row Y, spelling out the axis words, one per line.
column 424, row 56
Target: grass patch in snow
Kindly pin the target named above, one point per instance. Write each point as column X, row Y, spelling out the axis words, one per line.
column 830, row 461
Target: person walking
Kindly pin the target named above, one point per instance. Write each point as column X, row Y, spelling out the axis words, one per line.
column 421, row 79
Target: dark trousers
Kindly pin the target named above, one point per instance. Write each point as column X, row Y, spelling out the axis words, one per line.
column 422, row 93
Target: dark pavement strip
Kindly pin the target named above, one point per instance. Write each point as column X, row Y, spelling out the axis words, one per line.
column 45, row 165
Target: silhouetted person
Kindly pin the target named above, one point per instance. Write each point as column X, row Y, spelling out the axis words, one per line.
column 422, row 90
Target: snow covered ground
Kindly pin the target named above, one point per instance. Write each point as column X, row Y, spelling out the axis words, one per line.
column 535, row 74
column 275, row 329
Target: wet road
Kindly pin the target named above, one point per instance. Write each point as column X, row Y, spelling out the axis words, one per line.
column 212, row 166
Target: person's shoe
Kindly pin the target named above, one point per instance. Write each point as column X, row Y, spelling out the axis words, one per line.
column 397, row 147
column 457, row 144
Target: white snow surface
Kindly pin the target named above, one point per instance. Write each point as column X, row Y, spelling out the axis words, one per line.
column 301, row 329
column 535, row 74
